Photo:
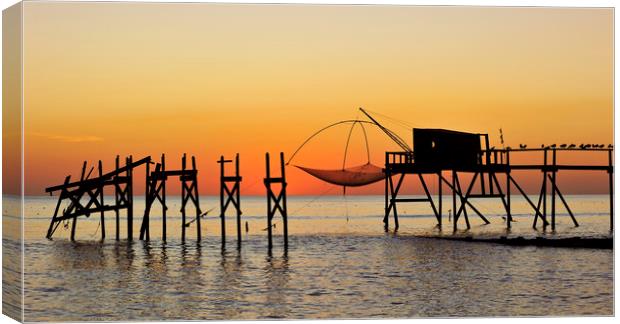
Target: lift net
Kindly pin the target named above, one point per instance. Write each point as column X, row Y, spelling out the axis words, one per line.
column 350, row 177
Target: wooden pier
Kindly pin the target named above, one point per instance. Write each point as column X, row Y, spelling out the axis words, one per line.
column 441, row 152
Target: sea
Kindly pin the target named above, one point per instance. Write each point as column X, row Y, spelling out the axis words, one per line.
column 340, row 263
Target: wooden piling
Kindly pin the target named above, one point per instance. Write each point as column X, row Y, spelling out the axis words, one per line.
column 194, row 185
column 284, row 211
column 164, row 207
column 183, row 194
column 238, row 199
column 129, row 193
column 116, row 201
column 440, row 185
column 553, row 186
column 611, row 190
column 508, row 212
column 102, row 220
column 269, row 213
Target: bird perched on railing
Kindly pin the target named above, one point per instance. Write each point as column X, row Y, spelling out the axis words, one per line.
column 610, row 146
column 571, row 146
column 553, row 145
column 563, row 146
column 582, row 146
column 587, row 146
column 522, row 146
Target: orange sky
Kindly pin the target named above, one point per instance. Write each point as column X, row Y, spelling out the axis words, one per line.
column 208, row 79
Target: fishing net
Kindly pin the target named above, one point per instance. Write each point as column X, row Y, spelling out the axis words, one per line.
column 350, row 177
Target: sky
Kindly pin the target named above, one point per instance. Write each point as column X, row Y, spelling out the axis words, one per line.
column 102, row 79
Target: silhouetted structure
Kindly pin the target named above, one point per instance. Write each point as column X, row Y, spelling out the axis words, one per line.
column 156, row 191
column 437, row 151
column 230, row 195
column 92, row 189
column 121, row 179
column 276, row 200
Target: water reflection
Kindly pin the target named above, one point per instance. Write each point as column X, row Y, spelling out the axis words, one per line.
column 276, row 273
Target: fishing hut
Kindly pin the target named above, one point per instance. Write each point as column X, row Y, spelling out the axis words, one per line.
column 467, row 165
column 448, row 154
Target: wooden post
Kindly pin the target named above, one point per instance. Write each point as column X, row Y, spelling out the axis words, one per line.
column 102, row 220
column 283, row 211
column 269, row 211
column 149, row 191
column 222, row 207
column 611, row 190
column 509, row 214
column 196, row 199
column 238, row 199
column 129, row 193
column 553, row 186
column 387, row 206
column 117, row 202
column 183, row 194
column 454, row 215
column 74, row 222
column 164, row 207
column 440, row 184
column 544, row 191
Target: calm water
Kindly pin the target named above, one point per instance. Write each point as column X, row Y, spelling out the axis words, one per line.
column 340, row 264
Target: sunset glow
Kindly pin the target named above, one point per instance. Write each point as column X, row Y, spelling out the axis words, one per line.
column 220, row 79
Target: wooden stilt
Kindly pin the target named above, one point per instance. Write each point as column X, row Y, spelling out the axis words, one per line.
column 129, row 193
column 284, row 210
column 149, row 192
column 454, row 216
column 508, row 211
column 102, row 220
column 238, row 196
column 116, row 200
column 196, row 198
column 545, row 187
column 611, row 190
column 183, row 201
column 269, row 212
column 387, row 210
column 553, row 186
column 570, row 212
column 164, row 207
column 440, row 185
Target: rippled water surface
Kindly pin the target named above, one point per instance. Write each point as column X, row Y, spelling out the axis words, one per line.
column 340, row 264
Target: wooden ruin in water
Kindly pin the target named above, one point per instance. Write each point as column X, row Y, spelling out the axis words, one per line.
column 276, row 199
column 156, row 191
column 121, row 179
column 230, row 195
